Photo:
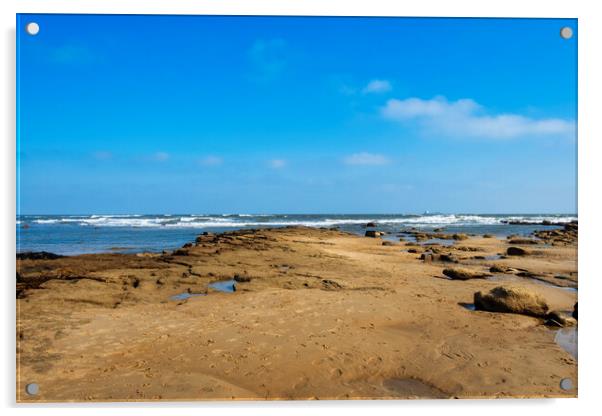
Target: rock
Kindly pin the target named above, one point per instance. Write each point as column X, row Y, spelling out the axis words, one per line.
column 438, row 230
column 180, row 252
column 421, row 237
column 500, row 269
column 473, row 249
column 328, row 284
column 242, row 279
column 460, row 236
column 510, row 299
column 522, row 241
column 373, row 234
column 516, row 251
column 487, row 235
column 560, row 319
column 575, row 310
column 389, row 243
column 38, row 255
column 413, row 251
column 371, row 224
column 448, row 258
column 464, row 274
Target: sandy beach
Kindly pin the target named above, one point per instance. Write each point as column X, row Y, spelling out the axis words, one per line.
column 316, row 314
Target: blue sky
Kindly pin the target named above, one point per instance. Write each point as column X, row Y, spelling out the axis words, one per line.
column 185, row 114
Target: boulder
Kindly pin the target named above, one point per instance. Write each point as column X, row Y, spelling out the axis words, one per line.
column 516, row 251
column 575, row 310
column 487, row 235
column 460, row 236
column 373, row 234
column 511, row 299
column 560, row 319
column 371, row 224
column 464, row 274
column 389, row 243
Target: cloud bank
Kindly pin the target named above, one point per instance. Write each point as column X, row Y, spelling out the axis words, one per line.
column 466, row 118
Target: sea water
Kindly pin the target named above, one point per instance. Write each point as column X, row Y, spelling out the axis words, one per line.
column 77, row 234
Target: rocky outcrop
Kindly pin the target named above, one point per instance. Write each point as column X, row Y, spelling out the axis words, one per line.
column 511, row 299
column 38, row 255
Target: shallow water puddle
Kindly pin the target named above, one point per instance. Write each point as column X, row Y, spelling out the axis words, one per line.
column 185, row 295
column 468, row 306
column 514, row 278
column 228, row 286
column 566, row 338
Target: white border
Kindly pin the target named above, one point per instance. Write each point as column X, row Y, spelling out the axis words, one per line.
column 590, row 208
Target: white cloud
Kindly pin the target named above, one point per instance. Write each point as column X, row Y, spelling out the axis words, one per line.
column 377, row 86
column 211, row 161
column 277, row 163
column 366, row 159
column 466, row 118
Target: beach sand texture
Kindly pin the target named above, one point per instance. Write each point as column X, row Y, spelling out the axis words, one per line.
column 317, row 314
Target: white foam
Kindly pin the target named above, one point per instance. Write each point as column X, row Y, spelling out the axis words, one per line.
column 246, row 220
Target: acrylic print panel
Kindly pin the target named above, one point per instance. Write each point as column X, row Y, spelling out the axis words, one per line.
column 225, row 208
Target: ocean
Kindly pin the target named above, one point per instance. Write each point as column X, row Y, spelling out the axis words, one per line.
column 79, row 234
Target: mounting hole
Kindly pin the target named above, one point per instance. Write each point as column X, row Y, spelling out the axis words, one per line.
column 32, row 28
column 566, row 384
column 32, row 389
column 566, row 32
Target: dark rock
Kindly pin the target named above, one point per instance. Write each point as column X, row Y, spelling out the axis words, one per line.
column 487, row 235
column 180, row 252
column 373, row 234
column 242, row 279
column 389, row 243
column 38, row 255
column 371, row 224
column 575, row 310
column 516, row 251
column 460, row 236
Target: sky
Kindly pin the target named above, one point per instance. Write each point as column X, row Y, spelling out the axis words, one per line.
column 216, row 114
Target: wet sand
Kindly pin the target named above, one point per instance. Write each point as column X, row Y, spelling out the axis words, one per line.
column 316, row 314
